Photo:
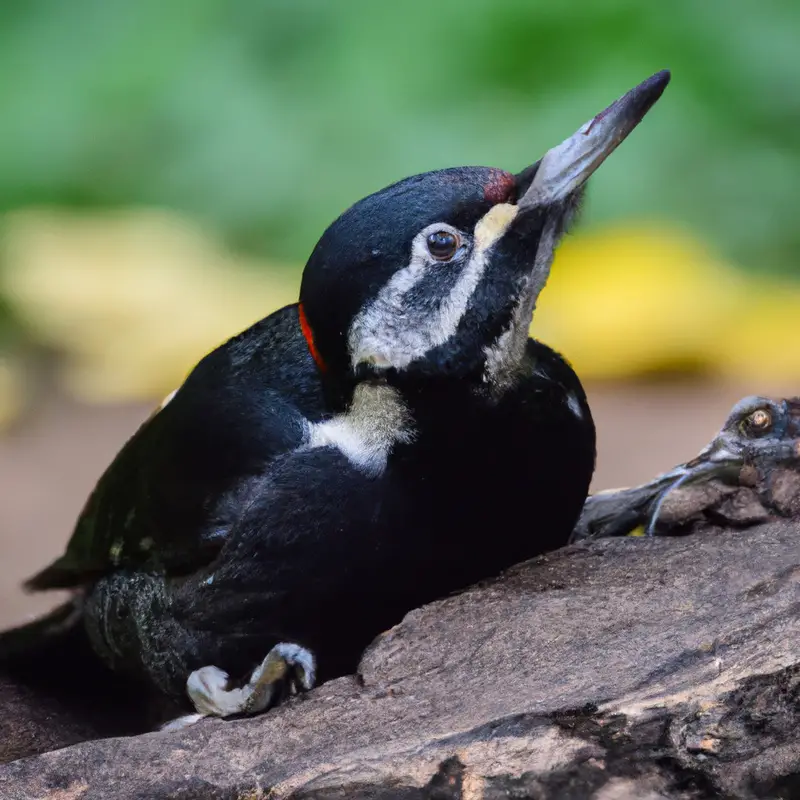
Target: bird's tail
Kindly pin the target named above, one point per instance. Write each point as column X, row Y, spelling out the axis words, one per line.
column 51, row 660
column 63, row 573
column 25, row 641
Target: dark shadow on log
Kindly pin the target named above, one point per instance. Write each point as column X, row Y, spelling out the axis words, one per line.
column 56, row 692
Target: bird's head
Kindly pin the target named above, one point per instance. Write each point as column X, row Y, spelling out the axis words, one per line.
column 757, row 429
column 759, row 440
column 438, row 275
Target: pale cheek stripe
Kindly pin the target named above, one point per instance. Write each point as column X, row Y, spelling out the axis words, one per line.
column 392, row 331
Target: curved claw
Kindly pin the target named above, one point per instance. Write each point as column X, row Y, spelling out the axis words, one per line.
column 287, row 668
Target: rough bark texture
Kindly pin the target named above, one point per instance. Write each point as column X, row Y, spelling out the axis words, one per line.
column 616, row 668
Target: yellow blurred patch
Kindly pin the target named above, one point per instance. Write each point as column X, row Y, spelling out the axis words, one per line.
column 629, row 301
column 625, row 301
column 761, row 341
column 134, row 299
column 639, row 530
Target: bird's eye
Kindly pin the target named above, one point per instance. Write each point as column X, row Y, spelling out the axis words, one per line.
column 760, row 421
column 442, row 245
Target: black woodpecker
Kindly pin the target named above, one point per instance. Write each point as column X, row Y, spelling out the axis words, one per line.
column 393, row 437
column 759, row 440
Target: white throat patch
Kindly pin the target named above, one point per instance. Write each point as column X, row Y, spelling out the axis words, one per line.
column 392, row 331
column 366, row 433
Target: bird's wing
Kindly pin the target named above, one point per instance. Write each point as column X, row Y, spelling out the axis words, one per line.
column 308, row 538
column 172, row 494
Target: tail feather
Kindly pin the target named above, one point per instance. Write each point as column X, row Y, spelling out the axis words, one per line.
column 26, row 640
column 62, row 574
column 61, row 692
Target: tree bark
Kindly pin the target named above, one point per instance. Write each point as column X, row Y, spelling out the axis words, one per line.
column 611, row 669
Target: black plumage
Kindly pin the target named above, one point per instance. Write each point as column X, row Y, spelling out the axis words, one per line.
column 392, row 438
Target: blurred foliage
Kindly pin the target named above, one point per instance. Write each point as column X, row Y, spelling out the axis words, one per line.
column 266, row 119
column 258, row 122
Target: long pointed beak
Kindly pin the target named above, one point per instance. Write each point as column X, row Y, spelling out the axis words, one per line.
column 567, row 166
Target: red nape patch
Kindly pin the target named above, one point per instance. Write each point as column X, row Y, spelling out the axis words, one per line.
column 308, row 335
column 500, row 187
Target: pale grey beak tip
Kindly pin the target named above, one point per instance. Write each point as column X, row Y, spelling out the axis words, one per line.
column 568, row 166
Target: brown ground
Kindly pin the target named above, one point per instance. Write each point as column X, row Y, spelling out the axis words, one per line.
column 48, row 467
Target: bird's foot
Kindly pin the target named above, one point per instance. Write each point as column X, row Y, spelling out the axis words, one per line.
column 287, row 669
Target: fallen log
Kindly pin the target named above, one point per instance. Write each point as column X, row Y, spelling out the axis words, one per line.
column 614, row 668
column 618, row 667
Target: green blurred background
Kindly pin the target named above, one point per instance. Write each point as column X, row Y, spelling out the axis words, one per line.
column 165, row 168
column 262, row 119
